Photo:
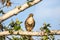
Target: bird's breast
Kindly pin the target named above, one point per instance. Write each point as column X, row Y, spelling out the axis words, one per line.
column 30, row 20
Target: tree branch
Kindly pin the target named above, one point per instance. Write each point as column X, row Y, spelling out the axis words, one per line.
column 17, row 10
column 54, row 32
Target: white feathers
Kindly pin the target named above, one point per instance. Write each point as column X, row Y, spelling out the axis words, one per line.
column 30, row 20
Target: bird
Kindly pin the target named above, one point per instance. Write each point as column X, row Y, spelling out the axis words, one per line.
column 30, row 22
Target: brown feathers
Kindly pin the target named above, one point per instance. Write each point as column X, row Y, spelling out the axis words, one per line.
column 29, row 23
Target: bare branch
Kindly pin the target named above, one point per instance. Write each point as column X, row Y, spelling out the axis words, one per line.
column 54, row 32
column 17, row 10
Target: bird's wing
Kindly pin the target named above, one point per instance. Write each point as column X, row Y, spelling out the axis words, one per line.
column 29, row 25
column 33, row 22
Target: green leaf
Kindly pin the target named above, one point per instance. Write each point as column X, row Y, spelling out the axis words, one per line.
column 24, row 38
column 41, row 29
column 15, row 38
column 52, row 37
column 16, row 27
column 1, row 11
column 48, row 25
column 18, row 22
column 45, row 37
column 12, row 23
column 2, row 37
column 47, row 30
column 5, row 28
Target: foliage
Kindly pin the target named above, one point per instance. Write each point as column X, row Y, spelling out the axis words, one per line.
column 16, row 25
column 1, row 11
column 15, row 38
column 45, row 29
column 21, row 38
column 2, row 37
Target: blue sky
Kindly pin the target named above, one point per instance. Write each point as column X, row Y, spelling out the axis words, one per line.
column 46, row 11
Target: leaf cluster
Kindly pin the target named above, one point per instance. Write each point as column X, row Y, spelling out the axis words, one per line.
column 45, row 29
column 15, row 25
column 1, row 11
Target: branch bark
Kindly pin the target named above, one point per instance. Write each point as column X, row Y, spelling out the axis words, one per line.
column 54, row 32
column 16, row 10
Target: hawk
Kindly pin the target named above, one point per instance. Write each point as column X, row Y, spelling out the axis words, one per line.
column 30, row 22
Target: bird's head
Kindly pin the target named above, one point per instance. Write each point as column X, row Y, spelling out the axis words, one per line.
column 31, row 15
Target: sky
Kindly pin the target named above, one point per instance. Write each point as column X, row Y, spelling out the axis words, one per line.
column 45, row 11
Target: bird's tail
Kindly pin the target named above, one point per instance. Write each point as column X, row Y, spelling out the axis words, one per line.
column 30, row 37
